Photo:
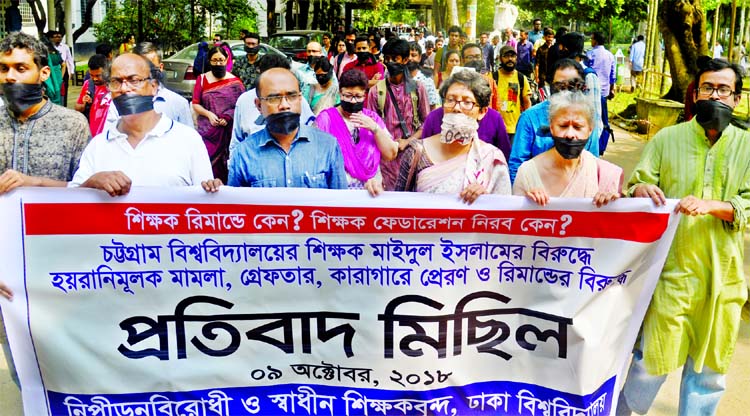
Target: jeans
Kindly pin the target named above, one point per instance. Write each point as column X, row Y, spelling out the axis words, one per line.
column 699, row 392
column 604, row 138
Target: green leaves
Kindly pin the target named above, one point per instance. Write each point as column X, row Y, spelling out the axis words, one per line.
column 587, row 10
column 173, row 24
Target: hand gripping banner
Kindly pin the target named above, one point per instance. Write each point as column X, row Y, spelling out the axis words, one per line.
column 308, row 302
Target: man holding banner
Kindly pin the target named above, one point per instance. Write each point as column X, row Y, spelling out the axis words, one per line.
column 133, row 151
column 694, row 316
column 285, row 153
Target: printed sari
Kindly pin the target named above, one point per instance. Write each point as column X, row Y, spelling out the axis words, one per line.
column 220, row 98
column 483, row 164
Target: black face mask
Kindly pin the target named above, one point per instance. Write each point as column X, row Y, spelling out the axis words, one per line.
column 252, row 51
column 219, row 71
column 323, row 79
column 713, row 116
column 412, row 66
column 363, row 57
column 477, row 65
column 394, row 68
column 282, row 123
column 569, row 148
column 352, row 108
column 20, row 97
column 129, row 104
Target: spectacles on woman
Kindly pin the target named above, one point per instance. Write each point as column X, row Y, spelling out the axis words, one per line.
column 354, row 98
column 450, row 103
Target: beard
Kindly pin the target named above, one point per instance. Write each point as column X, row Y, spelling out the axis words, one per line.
column 508, row 66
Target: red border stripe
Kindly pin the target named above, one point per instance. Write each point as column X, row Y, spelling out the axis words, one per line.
column 113, row 218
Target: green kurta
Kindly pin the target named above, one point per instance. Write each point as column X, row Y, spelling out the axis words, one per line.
column 696, row 307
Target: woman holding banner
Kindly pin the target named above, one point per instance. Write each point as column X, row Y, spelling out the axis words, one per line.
column 361, row 133
column 568, row 170
column 456, row 161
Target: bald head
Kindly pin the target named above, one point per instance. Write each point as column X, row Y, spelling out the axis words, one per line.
column 314, row 49
column 275, row 83
column 133, row 61
column 132, row 67
column 274, row 77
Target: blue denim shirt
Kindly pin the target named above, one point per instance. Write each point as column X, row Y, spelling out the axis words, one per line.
column 313, row 161
column 531, row 139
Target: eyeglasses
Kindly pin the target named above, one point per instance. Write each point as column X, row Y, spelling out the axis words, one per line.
column 276, row 99
column 464, row 105
column 572, row 85
column 353, row 97
column 468, row 58
column 723, row 91
column 218, row 61
column 134, row 82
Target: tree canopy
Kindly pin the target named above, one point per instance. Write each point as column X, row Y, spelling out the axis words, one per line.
column 173, row 23
column 588, row 10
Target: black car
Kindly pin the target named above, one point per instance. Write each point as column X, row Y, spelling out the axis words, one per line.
column 294, row 42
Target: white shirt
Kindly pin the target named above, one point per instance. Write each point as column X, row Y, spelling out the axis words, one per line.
column 166, row 102
column 171, row 154
column 67, row 57
column 718, row 50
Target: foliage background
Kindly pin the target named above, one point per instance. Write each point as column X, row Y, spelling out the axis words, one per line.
column 174, row 24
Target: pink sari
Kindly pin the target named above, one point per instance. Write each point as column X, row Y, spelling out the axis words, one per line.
column 361, row 160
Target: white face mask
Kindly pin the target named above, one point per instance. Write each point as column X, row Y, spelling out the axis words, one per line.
column 458, row 127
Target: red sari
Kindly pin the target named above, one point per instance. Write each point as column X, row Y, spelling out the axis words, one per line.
column 220, row 98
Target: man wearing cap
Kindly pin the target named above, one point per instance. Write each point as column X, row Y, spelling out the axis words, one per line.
column 513, row 91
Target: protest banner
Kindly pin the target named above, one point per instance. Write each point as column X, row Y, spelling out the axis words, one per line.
column 309, row 302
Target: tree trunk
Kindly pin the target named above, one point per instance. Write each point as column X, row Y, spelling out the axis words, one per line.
column 289, row 15
column 60, row 16
column 715, row 27
column 453, row 12
column 304, row 11
column 683, row 27
column 87, row 20
column 438, row 12
column 40, row 19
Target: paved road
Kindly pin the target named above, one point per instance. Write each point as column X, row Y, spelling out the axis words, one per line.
column 624, row 152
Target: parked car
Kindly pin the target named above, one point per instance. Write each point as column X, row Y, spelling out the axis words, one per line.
column 178, row 68
column 294, row 42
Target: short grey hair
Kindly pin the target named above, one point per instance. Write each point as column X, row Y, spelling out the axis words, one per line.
column 145, row 48
column 474, row 81
column 567, row 99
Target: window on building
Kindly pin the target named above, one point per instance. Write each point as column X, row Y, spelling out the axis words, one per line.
column 28, row 18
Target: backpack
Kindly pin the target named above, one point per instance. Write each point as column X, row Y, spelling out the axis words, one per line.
column 199, row 63
column 383, row 91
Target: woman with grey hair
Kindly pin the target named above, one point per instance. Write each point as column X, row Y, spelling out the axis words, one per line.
column 455, row 160
column 567, row 170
